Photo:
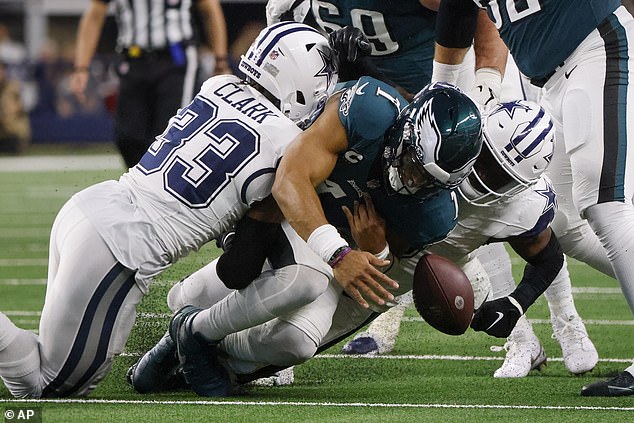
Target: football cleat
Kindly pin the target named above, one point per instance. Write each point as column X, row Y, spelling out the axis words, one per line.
column 621, row 385
column 361, row 345
column 282, row 378
column 199, row 358
column 580, row 355
column 524, row 352
column 154, row 369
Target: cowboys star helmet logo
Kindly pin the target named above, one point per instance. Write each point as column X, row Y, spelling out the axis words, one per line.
column 510, row 108
column 328, row 70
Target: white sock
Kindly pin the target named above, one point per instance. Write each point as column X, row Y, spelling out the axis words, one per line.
column 19, row 360
column 559, row 294
column 497, row 264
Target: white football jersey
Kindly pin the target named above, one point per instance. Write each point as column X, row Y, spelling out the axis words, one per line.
column 216, row 158
column 525, row 214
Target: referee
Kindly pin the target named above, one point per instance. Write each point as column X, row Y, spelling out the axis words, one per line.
column 159, row 62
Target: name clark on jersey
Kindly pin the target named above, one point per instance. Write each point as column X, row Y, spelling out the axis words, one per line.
column 237, row 98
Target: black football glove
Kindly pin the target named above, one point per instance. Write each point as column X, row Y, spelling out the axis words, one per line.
column 349, row 43
column 497, row 317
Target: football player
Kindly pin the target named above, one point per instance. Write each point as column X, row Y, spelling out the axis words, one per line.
column 581, row 53
column 216, row 159
column 406, row 158
column 520, row 215
column 398, row 40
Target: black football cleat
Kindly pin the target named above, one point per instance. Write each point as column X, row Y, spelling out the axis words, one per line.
column 619, row 386
column 153, row 371
column 198, row 358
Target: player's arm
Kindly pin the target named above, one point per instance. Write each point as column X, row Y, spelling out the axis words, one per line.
column 459, row 23
column 455, row 28
column 544, row 259
column 308, row 161
column 216, row 32
column 490, row 56
column 88, row 33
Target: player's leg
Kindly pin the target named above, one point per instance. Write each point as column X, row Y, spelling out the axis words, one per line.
column 203, row 288
column 574, row 234
column 285, row 341
column 88, row 313
column 298, row 276
column 594, row 101
column 524, row 351
column 579, row 353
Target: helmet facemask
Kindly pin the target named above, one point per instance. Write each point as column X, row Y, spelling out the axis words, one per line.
column 519, row 139
column 433, row 143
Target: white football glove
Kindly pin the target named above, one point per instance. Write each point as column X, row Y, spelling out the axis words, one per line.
column 276, row 8
column 487, row 88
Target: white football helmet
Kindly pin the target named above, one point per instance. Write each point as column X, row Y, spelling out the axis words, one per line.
column 295, row 64
column 519, row 138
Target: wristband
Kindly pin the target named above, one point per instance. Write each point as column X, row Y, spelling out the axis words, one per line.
column 325, row 241
column 445, row 73
column 383, row 254
column 338, row 256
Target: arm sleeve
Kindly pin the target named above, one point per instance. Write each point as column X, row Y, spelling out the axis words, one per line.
column 456, row 23
column 539, row 273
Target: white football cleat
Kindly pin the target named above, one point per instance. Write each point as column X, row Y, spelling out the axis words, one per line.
column 282, row 378
column 580, row 355
column 524, row 352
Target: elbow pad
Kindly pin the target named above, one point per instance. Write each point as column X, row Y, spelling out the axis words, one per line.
column 539, row 273
column 456, row 23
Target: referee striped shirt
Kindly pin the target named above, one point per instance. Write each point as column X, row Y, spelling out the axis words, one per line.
column 153, row 24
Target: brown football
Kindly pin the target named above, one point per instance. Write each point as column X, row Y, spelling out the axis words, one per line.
column 442, row 294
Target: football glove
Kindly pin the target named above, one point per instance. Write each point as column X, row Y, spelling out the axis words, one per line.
column 275, row 9
column 487, row 87
column 349, row 43
column 497, row 317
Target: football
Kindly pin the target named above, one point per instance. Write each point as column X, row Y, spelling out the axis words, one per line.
column 442, row 294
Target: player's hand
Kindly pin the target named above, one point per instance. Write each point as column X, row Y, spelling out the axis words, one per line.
column 276, row 8
column 497, row 317
column 77, row 84
column 357, row 273
column 487, row 88
column 349, row 43
column 366, row 226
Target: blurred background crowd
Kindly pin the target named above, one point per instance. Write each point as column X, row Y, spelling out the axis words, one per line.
column 37, row 49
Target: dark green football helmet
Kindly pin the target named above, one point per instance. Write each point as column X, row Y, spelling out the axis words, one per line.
column 434, row 142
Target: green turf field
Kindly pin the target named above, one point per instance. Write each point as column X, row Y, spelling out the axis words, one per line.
column 429, row 377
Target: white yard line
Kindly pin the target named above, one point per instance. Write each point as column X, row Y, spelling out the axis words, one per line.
column 317, row 404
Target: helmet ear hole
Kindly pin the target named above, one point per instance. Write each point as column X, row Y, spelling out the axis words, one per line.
column 300, row 97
